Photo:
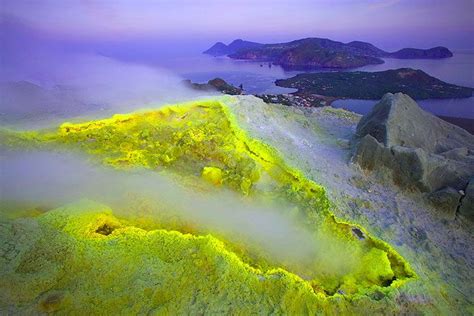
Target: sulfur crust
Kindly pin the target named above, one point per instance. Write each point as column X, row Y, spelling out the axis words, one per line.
column 164, row 271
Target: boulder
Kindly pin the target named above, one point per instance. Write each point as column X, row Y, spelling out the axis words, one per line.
column 398, row 120
column 418, row 151
column 411, row 168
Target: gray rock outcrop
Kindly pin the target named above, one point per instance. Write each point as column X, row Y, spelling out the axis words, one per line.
column 417, row 150
column 466, row 208
column 398, row 120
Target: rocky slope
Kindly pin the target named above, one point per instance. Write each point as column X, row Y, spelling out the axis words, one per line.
column 312, row 53
column 373, row 85
column 316, row 140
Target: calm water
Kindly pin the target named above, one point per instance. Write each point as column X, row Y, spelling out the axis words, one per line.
column 105, row 85
column 457, row 70
column 254, row 76
column 259, row 77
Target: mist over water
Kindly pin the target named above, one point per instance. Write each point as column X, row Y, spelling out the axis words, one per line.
column 45, row 81
column 87, row 85
column 100, row 77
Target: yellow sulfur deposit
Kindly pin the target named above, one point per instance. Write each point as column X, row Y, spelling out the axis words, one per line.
column 81, row 257
column 213, row 175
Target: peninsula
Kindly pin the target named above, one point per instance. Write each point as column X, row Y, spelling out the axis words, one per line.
column 373, row 85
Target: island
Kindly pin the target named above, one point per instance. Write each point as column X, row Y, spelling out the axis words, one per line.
column 415, row 53
column 373, row 85
column 314, row 53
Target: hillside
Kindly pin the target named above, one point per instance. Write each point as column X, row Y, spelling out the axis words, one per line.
column 220, row 49
column 311, row 53
column 373, row 85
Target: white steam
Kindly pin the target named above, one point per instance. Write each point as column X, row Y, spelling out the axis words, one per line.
column 50, row 179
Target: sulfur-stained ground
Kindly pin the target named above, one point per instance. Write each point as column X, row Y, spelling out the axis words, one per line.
column 81, row 257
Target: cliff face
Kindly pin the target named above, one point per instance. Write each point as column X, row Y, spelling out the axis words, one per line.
column 319, row 53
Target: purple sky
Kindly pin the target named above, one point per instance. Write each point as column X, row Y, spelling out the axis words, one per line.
column 389, row 24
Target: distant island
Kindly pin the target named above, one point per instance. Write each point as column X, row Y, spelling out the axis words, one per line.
column 313, row 53
column 373, row 85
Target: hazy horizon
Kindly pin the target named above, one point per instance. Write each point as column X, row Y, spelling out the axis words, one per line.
column 121, row 53
column 388, row 24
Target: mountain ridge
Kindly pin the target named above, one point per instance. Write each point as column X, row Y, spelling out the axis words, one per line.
column 314, row 52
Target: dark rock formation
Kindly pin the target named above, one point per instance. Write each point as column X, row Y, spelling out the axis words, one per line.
column 216, row 84
column 373, row 85
column 311, row 53
column 417, row 150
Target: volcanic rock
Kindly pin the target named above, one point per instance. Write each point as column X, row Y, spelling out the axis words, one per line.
column 216, row 84
column 417, row 150
column 466, row 208
column 398, row 120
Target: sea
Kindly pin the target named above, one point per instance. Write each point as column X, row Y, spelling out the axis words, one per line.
column 259, row 78
column 128, row 87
